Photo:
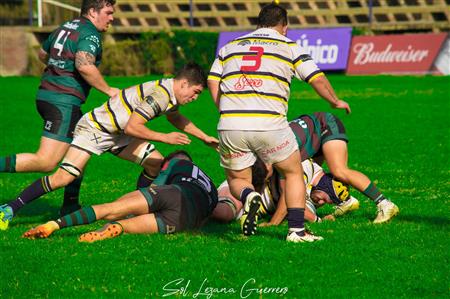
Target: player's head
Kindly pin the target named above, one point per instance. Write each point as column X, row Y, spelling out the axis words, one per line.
column 178, row 154
column 329, row 190
column 190, row 82
column 259, row 175
column 272, row 15
column 99, row 12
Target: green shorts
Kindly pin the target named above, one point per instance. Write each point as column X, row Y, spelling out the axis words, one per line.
column 59, row 119
column 179, row 207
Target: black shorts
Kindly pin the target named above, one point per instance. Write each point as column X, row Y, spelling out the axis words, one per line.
column 174, row 211
column 59, row 119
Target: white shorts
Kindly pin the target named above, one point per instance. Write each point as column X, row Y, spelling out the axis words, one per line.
column 97, row 142
column 239, row 149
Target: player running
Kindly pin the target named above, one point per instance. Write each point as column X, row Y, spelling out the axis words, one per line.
column 118, row 126
column 322, row 136
column 72, row 54
column 250, row 83
column 181, row 198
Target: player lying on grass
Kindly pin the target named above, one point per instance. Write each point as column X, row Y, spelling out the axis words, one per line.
column 118, row 127
column 321, row 189
column 181, row 198
column 321, row 136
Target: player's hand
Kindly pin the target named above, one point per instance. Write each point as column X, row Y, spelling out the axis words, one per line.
column 342, row 105
column 212, row 142
column 112, row 91
column 329, row 218
column 176, row 138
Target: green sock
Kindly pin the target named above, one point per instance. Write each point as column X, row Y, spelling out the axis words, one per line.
column 373, row 193
column 8, row 164
column 84, row 215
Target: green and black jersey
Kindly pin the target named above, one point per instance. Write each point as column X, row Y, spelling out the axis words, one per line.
column 313, row 130
column 61, row 82
column 195, row 185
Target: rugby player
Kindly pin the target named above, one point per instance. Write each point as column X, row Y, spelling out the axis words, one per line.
column 181, row 198
column 72, row 54
column 322, row 136
column 250, row 84
column 118, row 126
column 321, row 189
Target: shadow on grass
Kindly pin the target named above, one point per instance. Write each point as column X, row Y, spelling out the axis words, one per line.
column 232, row 232
column 430, row 220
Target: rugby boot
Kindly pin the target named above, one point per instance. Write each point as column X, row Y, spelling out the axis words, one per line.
column 349, row 205
column 110, row 230
column 41, row 231
column 6, row 215
column 249, row 219
column 386, row 211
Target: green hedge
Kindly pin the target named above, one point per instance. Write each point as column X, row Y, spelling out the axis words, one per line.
column 159, row 53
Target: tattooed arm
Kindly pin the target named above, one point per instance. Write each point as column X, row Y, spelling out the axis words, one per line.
column 84, row 63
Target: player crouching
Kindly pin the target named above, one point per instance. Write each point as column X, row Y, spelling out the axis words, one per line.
column 181, row 198
column 321, row 189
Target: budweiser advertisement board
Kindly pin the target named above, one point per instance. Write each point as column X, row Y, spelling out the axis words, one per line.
column 394, row 54
column 328, row 47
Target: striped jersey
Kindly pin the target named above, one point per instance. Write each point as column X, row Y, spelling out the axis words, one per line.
column 61, row 82
column 255, row 73
column 311, row 130
column 149, row 100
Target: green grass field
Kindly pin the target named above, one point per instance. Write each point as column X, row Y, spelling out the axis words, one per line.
column 399, row 136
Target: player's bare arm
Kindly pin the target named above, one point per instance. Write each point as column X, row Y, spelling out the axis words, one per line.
column 181, row 122
column 85, row 64
column 43, row 56
column 323, row 88
column 136, row 128
column 214, row 89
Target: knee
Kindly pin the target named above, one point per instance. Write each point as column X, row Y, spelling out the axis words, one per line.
column 152, row 165
column 61, row 178
column 46, row 163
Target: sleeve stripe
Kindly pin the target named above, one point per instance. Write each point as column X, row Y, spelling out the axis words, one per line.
column 313, row 76
column 142, row 114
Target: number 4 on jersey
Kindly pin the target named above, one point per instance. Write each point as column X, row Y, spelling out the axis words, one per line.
column 61, row 40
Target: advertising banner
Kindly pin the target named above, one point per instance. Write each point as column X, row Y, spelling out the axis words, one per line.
column 328, row 47
column 394, row 54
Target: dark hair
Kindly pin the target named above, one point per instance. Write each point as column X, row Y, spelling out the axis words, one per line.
column 177, row 154
column 259, row 173
column 193, row 73
column 272, row 15
column 86, row 5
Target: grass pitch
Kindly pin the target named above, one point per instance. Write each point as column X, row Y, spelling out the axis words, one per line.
column 399, row 137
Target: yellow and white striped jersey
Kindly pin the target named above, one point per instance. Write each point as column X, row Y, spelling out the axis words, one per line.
column 149, row 100
column 255, row 73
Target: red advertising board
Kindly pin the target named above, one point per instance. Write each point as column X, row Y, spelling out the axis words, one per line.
column 394, row 54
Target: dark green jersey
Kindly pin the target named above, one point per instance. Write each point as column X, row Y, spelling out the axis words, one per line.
column 313, row 130
column 61, row 82
column 193, row 183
